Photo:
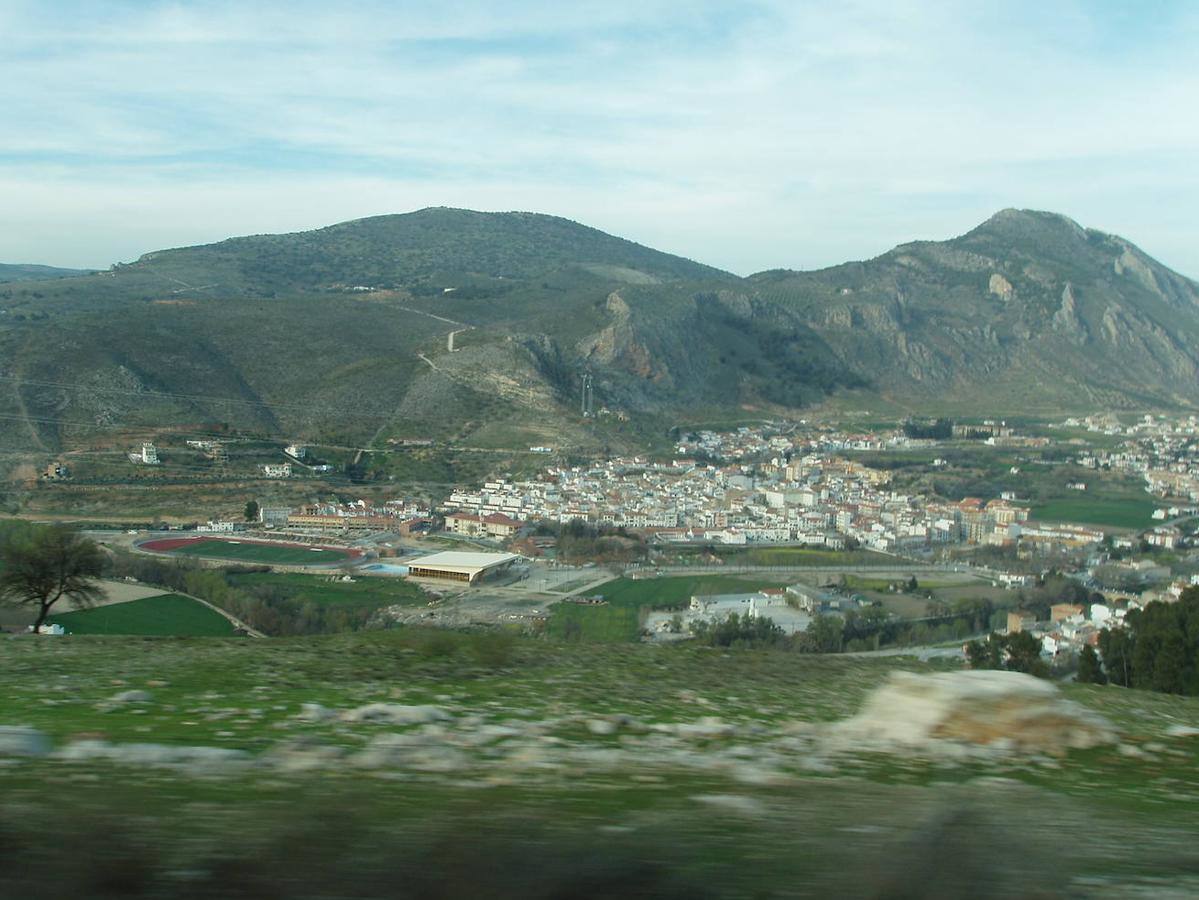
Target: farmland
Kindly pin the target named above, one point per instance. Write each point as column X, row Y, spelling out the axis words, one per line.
column 169, row 615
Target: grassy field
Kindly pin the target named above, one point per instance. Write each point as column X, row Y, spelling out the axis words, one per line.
column 803, row 556
column 673, row 592
column 170, row 615
column 1117, row 513
column 513, row 772
column 795, row 556
column 619, row 620
column 364, row 591
column 263, row 553
column 594, row 624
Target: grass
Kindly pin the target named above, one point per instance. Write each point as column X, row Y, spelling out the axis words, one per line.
column 169, row 615
column 790, row 557
column 214, row 548
column 619, row 620
column 1117, row 513
column 585, row 815
column 803, row 556
column 364, row 591
column 594, row 624
column 674, row 592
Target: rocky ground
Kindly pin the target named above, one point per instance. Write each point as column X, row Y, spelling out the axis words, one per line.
column 743, row 773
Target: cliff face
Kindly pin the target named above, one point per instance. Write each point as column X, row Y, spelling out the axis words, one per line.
column 1027, row 303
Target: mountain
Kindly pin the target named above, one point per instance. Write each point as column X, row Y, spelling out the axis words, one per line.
column 341, row 334
column 22, row 272
column 1027, row 312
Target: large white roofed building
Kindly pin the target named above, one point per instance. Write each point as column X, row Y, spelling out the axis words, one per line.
column 454, row 565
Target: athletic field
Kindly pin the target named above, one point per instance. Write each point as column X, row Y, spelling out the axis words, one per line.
column 249, row 551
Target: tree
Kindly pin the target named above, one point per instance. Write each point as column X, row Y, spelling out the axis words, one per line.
column 1116, row 647
column 1024, row 653
column 823, row 635
column 1089, row 670
column 44, row 564
column 251, row 510
column 1017, row 652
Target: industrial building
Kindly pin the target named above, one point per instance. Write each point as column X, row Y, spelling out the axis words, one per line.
column 469, row 568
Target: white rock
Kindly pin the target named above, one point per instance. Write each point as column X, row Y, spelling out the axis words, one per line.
column 131, row 697
column 16, row 740
column 192, row 759
column 315, row 712
column 733, row 803
column 396, row 714
column 995, row 712
column 1182, row 731
column 707, row 728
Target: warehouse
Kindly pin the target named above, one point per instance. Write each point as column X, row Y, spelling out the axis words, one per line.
column 469, row 568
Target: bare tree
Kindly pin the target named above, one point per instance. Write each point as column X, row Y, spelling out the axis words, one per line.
column 43, row 564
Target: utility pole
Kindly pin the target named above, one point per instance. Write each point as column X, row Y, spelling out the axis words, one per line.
column 588, row 399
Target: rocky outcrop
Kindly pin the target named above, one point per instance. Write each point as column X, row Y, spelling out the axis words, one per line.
column 993, row 712
column 618, row 346
column 1000, row 287
column 1067, row 320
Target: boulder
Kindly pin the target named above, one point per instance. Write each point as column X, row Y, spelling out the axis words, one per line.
column 987, row 711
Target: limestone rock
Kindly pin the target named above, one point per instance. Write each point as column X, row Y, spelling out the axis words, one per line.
column 396, row 714
column 993, row 711
column 1001, row 287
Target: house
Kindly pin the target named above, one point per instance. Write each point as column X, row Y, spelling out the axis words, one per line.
column 273, row 515
column 276, row 470
column 147, row 455
column 492, row 525
column 1059, row 612
column 1164, row 536
column 1020, row 620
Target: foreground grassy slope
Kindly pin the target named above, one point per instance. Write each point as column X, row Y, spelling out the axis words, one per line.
column 509, row 789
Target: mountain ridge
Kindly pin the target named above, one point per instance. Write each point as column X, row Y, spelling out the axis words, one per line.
column 342, row 331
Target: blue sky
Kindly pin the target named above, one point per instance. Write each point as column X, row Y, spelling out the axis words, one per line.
column 745, row 135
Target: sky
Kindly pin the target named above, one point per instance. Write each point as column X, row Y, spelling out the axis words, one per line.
column 746, row 135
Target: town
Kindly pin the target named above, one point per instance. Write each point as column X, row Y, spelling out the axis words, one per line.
column 764, row 493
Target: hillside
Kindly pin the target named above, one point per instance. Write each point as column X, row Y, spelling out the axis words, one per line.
column 340, row 334
column 426, row 763
column 10, row 272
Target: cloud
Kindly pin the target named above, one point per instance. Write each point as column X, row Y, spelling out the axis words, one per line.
column 776, row 134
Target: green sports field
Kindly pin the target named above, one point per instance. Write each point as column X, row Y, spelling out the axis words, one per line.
column 674, row 592
column 263, row 553
column 169, row 615
column 1117, row 513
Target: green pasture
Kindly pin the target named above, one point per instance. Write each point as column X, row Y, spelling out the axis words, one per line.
column 169, row 615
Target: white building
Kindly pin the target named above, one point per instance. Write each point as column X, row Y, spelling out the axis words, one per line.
column 147, row 455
